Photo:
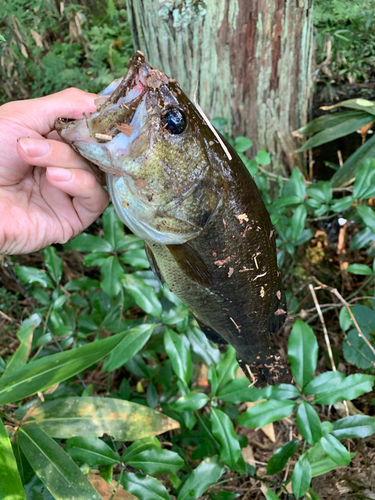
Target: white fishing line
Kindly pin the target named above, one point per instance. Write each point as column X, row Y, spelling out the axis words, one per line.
column 225, row 149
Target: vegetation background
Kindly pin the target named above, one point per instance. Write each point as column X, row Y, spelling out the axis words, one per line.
column 92, row 348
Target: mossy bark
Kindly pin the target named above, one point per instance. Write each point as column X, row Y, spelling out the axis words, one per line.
column 249, row 60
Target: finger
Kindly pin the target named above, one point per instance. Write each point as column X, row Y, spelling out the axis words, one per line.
column 48, row 153
column 89, row 197
column 40, row 115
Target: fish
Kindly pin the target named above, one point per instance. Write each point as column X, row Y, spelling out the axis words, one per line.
column 180, row 186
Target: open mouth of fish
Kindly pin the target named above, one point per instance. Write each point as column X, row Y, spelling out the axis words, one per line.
column 122, row 138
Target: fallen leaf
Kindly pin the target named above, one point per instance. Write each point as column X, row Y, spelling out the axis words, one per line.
column 269, row 431
column 248, row 455
column 105, row 489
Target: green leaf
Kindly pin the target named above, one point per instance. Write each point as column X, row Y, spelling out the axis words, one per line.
column 20, row 357
column 223, row 430
column 363, row 187
column 356, row 351
column 205, row 475
column 114, row 231
column 270, row 495
column 350, row 388
column 335, row 450
column 301, row 476
column 302, row 352
column 53, row 263
column 350, row 125
column 223, row 495
column 43, row 373
column 144, row 487
column 192, row 401
column 360, row 104
column 308, row 423
column 85, row 416
column 263, row 158
column 91, row 450
column 359, row 426
column 112, row 276
column 95, row 258
column 368, row 216
column 321, row 382
column 133, row 341
column 144, row 295
column 346, row 174
column 321, row 191
column 238, row 391
column 136, row 258
column 342, row 204
column 283, row 391
column 345, row 320
column 242, row 144
column 226, row 369
column 328, row 121
column 157, row 461
column 33, row 276
column 54, row 467
column 179, row 354
column 281, row 456
column 10, row 485
column 265, row 413
column 201, row 346
column 89, row 243
column 138, row 446
column 361, row 269
column 298, row 221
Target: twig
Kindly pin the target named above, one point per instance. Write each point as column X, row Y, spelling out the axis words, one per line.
column 326, row 337
column 335, row 292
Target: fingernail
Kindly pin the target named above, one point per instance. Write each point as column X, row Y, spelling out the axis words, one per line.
column 60, row 174
column 34, row 147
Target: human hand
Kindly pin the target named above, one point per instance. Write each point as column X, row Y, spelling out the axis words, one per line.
column 48, row 193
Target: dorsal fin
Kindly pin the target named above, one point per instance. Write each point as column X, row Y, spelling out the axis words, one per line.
column 191, row 263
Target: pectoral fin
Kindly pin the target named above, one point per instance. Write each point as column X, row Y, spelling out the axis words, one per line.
column 191, row 263
column 153, row 264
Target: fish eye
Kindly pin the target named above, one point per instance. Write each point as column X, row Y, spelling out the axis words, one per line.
column 176, row 121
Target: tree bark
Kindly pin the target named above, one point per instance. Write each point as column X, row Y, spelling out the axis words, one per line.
column 249, row 60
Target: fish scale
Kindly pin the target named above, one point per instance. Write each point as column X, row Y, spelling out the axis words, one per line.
column 182, row 187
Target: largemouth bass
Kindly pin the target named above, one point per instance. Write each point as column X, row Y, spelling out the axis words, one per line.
column 179, row 185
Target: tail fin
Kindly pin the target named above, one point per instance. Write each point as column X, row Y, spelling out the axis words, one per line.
column 272, row 370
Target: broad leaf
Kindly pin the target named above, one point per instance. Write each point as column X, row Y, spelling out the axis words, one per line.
column 281, row 457
column 350, row 388
column 302, row 352
column 270, row 495
column 283, row 391
column 223, row 430
column 346, row 174
column 133, row 341
column 298, row 221
column 360, row 269
column 242, row 144
column 54, row 263
column 368, row 216
column 359, row 104
column 327, row 122
column 192, row 401
column 144, row 295
column 226, row 369
column 10, row 484
column 335, row 450
column 91, row 450
column 144, row 487
column 20, row 357
column 61, row 476
column 321, row 382
column 301, row 476
column 138, row 446
column 112, row 274
column 359, row 426
column 39, row 375
column 201, row 347
column 89, row 243
column 157, row 461
column 113, row 229
column 363, row 187
column 205, row 475
column 239, row 391
column 179, row 354
column 33, row 276
column 265, row 413
column 125, row 421
column 308, row 423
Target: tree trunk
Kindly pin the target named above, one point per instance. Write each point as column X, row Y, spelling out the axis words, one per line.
column 250, row 61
